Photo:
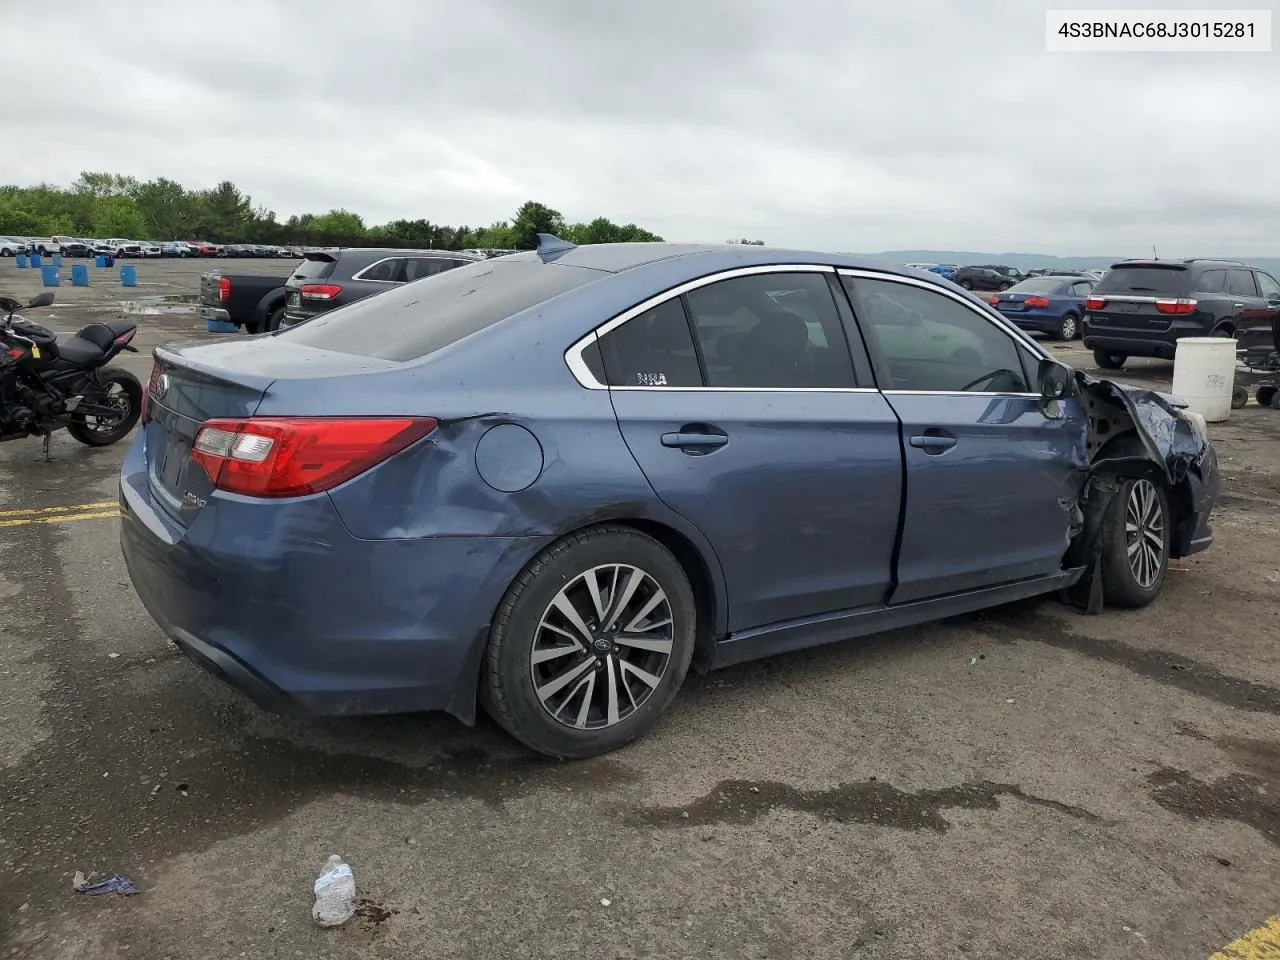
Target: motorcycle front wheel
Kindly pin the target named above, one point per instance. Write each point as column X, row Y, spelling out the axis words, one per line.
column 121, row 390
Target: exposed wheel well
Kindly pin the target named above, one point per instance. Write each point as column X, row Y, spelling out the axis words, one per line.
column 1225, row 329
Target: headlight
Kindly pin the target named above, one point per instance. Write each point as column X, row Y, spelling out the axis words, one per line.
column 1197, row 424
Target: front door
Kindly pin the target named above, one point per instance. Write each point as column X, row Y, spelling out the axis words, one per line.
column 740, row 404
column 990, row 477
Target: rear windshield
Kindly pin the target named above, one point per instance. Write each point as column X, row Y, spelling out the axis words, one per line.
column 1150, row 281
column 314, row 269
column 416, row 319
column 1037, row 285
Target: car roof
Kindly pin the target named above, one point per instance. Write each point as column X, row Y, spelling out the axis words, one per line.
column 398, row 251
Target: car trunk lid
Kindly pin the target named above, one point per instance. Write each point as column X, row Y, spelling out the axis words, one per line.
column 197, row 382
column 1140, row 297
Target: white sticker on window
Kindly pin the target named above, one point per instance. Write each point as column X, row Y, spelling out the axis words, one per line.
column 651, row 379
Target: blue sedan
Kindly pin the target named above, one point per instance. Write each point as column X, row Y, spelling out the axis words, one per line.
column 1048, row 304
column 552, row 483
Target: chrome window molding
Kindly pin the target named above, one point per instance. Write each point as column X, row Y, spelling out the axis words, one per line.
column 582, row 373
column 360, row 274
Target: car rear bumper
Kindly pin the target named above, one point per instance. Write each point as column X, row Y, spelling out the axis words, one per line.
column 1039, row 322
column 1129, row 345
column 216, row 314
column 281, row 602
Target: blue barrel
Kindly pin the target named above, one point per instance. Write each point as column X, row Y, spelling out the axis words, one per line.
column 79, row 275
column 35, row 260
column 108, row 261
column 57, row 259
column 128, row 276
column 21, row 261
column 49, row 276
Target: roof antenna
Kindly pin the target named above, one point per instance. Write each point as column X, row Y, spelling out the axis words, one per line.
column 550, row 246
column 1154, row 255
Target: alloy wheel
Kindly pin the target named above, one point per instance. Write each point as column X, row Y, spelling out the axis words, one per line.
column 1144, row 533
column 602, row 647
column 116, row 397
column 1068, row 327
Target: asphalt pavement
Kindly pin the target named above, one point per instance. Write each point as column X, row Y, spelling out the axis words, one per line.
column 1027, row 782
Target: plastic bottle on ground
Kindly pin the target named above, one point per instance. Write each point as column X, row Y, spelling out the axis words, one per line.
column 335, row 891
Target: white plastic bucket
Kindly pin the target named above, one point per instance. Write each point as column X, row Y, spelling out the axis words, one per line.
column 1204, row 371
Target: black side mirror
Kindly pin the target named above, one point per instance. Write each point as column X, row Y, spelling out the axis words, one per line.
column 1056, row 380
column 40, row 300
column 9, row 305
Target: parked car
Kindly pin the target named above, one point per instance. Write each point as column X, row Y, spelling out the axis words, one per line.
column 1141, row 308
column 327, row 279
column 947, row 270
column 11, row 246
column 1048, row 304
column 250, row 301
column 203, row 248
column 152, row 249
column 552, row 481
column 982, row 278
column 121, row 248
column 177, row 248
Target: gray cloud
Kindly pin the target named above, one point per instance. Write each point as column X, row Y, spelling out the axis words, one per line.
column 809, row 123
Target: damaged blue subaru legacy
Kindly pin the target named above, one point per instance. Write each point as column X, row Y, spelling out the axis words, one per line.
column 551, row 483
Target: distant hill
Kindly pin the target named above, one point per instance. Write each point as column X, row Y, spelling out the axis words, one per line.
column 1030, row 261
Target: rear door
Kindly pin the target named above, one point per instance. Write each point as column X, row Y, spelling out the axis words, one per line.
column 741, row 404
column 1249, row 308
column 989, row 475
column 1266, row 334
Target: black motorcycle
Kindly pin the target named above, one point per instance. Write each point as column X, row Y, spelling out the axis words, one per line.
column 46, row 385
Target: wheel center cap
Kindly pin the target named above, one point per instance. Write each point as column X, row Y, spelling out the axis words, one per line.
column 602, row 644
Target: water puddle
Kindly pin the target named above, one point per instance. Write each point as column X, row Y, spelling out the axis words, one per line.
column 178, row 303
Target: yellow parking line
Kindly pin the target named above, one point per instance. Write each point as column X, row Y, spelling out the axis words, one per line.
column 73, row 508
column 1260, row 944
column 60, row 518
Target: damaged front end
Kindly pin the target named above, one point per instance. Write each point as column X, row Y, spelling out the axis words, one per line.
column 1134, row 432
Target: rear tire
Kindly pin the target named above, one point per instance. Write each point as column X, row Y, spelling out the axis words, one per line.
column 968, row 285
column 129, row 400
column 1109, row 361
column 274, row 318
column 581, row 701
column 1265, row 396
column 1239, row 397
column 1135, row 544
column 1068, row 328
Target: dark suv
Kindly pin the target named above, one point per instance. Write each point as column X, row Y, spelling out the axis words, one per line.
column 1141, row 308
column 326, row 279
column 985, row 278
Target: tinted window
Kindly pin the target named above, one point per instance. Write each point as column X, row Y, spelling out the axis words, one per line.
column 1240, row 283
column 1268, row 285
column 1212, row 282
column 772, row 330
column 1152, row 281
column 411, row 321
column 1081, row 289
column 929, row 341
column 313, row 269
column 385, row 271
column 415, row 268
column 654, row 349
column 1037, row 285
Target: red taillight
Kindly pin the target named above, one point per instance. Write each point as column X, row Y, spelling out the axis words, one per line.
column 993, row 300
column 16, row 352
column 1094, row 303
column 294, row 456
column 224, row 289
column 145, row 413
column 319, row 291
column 1176, row 306
column 1037, row 301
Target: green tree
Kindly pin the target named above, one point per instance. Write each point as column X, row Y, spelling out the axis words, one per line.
column 337, row 228
column 15, row 220
column 532, row 219
column 118, row 216
column 166, row 207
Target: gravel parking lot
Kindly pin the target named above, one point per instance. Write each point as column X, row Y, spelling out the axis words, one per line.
column 1027, row 782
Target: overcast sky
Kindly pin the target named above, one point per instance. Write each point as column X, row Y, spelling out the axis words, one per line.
column 816, row 123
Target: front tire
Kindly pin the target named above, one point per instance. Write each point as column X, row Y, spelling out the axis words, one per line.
column 1135, row 551
column 1109, row 361
column 1239, row 397
column 97, row 432
column 590, row 644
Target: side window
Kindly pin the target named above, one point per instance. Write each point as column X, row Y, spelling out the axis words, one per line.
column 1240, row 283
column 1267, row 286
column 930, row 342
column 1081, row 289
column 654, row 349
column 387, row 271
column 771, row 331
column 1212, row 282
column 415, row 268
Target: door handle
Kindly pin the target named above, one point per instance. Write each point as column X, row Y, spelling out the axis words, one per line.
column 1237, row 305
column 933, row 441
column 701, row 441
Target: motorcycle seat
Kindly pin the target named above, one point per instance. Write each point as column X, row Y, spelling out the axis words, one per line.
column 80, row 351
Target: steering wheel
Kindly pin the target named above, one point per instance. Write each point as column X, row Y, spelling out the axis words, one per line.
column 985, row 378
